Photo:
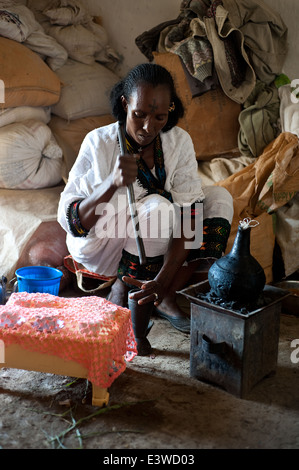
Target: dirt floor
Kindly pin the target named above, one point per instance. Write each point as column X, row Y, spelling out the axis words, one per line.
column 154, row 404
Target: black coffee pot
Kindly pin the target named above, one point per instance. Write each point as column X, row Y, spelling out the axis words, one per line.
column 238, row 276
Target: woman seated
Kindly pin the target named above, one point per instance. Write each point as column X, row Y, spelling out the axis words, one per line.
column 181, row 224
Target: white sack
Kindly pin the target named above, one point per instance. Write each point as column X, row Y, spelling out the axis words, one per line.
column 23, row 113
column 85, row 92
column 287, row 234
column 48, row 48
column 30, row 157
column 18, row 23
column 219, row 168
column 81, row 44
column 289, row 110
column 66, row 12
column 105, row 54
column 38, row 6
column 73, row 27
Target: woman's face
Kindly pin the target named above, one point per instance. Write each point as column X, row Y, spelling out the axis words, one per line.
column 147, row 112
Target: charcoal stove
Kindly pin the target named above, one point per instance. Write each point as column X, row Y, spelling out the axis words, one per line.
column 230, row 349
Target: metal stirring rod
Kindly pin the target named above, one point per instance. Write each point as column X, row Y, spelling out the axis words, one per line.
column 132, row 203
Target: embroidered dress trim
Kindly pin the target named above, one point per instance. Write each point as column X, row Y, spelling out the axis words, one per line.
column 73, row 219
column 215, row 236
column 129, row 266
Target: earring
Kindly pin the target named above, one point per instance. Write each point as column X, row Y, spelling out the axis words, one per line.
column 123, row 102
column 171, row 107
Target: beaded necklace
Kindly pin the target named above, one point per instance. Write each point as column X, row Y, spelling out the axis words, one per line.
column 153, row 185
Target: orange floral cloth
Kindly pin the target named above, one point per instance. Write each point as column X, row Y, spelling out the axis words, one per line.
column 88, row 330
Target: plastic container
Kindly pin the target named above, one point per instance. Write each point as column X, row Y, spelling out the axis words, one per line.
column 43, row 279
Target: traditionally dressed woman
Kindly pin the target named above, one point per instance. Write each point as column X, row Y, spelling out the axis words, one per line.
column 161, row 165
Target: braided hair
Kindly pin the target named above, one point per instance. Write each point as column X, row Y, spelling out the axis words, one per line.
column 151, row 74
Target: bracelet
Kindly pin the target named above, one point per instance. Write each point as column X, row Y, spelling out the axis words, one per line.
column 75, row 225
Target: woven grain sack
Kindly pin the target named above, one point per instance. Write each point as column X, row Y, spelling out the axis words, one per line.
column 28, row 81
column 30, row 157
column 268, row 183
column 261, row 188
column 37, row 7
column 66, row 13
column 86, row 90
column 211, row 119
column 23, row 113
column 48, row 48
column 16, row 21
column 74, row 28
column 81, row 44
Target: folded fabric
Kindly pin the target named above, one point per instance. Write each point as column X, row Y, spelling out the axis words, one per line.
column 235, row 72
column 147, row 42
column 197, row 87
column 259, row 119
column 265, row 35
column 194, row 50
column 247, row 40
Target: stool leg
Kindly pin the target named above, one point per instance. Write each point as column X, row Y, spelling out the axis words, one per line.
column 100, row 396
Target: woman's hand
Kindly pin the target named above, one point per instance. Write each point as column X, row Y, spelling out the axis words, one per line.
column 125, row 170
column 150, row 291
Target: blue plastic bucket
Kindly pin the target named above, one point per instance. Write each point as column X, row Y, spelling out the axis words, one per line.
column 39, row 279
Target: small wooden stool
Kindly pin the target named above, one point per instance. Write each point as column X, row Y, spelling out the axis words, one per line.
column 86, row 337
column 17, row 357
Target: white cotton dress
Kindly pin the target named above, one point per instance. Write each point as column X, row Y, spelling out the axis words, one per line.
column 100, row 251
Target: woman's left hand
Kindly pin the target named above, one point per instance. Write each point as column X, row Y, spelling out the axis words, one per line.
column 150, row 291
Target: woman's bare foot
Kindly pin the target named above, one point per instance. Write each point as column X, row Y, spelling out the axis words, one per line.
column 170, row 307
column 119, row 294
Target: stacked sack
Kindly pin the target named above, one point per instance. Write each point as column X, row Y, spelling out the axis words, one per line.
column 47, row 87
column 30, row 157
column 87, row 76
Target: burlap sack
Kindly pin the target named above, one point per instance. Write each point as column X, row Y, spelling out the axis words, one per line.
column 211, row 119
column 86, row 90
column 260, row 189
column 27, row 79
column 268, row 183
column 281, row 158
